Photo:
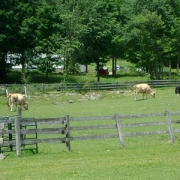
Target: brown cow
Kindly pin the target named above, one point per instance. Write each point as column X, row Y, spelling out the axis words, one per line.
column 16, row 99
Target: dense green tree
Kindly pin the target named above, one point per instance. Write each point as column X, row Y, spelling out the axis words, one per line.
column 146, row 29
column 24, row 32
column 117, row 47
column 145, row 33
column 174, row 44
column 47, row 39
column 96, row 33
column 84, row 32
column 69, row 31
column 6, row 35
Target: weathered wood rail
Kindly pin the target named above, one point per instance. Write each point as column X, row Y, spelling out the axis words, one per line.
column 15, row 132
column 115, row 85
column 116, row 126
column 121, row 124
column 86, row 86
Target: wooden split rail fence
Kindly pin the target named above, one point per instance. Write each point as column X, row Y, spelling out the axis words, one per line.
column 84, row 86
column 23, row 133
column 84, row 127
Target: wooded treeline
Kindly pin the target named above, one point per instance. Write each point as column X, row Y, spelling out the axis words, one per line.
column 55, row 32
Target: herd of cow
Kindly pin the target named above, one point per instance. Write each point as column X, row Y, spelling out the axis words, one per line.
column 19, row 99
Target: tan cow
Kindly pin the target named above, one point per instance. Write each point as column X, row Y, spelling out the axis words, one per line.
column 16, row 99
column 143, row 88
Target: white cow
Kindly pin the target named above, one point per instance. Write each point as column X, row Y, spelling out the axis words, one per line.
column 16, row 99
column 143, row 88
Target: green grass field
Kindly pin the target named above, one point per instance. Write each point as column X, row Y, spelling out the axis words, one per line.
column 146, row 158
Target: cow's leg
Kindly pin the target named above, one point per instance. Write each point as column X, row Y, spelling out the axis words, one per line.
column 11, row 106
column 135, row 93
column 146, row 95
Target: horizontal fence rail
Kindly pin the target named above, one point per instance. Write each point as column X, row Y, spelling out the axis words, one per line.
column 68, row 128
column 15, row 132
column 119, row 125
column 85, row 86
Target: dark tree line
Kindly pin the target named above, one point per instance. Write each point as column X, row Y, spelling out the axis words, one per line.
column 82, row 31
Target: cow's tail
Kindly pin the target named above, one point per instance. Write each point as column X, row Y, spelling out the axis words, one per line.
column 7, row 94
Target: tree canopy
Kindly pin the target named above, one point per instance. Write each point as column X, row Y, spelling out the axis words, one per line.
column 84, row 32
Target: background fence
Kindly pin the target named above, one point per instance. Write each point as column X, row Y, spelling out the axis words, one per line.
column 84, row 86
column 18, row 133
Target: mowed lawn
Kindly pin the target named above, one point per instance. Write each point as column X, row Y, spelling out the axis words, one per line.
column 144, row 157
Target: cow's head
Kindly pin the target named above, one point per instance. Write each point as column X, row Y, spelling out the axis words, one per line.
column 153, row 94
column 26, row 106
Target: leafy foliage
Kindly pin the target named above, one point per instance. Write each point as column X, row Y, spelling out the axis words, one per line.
column 86, row 32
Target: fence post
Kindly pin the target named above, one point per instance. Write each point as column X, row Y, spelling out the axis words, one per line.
column 119, row 130
column 10, row 136
column 43, row 87
column 1, row 139
column 117, row 85
column 25, row 91
column 168, row 119
column 62, row 86
column 68, row 145
column 98, row 85
column 17, row 132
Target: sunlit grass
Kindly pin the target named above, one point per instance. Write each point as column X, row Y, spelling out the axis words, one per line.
column 144, row 157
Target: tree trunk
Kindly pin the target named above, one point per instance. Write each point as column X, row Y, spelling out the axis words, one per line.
column 98, row 75
column 3, row 73
column 47, row 70
column 157, row 69
column 162, row 70
column 86, row 68
column 114, row 66
column 169, row 69
column 66, row 65
column 23, row 60
column 178, row 62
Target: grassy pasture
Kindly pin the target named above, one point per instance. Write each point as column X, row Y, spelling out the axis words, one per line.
column 146, row 158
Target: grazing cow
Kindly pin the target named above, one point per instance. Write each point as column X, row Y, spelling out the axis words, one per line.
column 143, row 88
column 16, row 99
column 177, row 90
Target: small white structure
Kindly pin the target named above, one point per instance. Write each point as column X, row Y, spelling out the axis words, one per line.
column 83, row 68
column 17, row 67
column 59, row 68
